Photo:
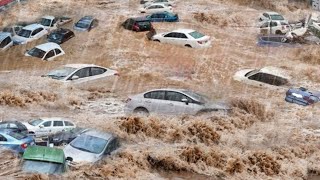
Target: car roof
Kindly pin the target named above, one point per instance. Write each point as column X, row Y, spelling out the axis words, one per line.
column 140, row 19
column 87, row 19
column 184, row 30
column 99, row 134
column 48, row 17
column 81, row 65
column 48, row 46
column 53, row 118
column 274, row 71
column 32, row 27
column 43, row 153
column 272, row 13
column 62, row 31
column 152, row 4
column 4, row 35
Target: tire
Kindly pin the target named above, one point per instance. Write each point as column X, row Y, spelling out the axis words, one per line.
column 188, row 45
column 141, row 112
column 278, row 32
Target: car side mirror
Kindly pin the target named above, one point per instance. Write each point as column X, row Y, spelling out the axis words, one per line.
column 69, row 159
column 75, row 77
column 41, row 126
column 185, row 101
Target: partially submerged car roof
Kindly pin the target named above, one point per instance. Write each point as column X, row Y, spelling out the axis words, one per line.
column 4, row 35
column 32, row 27
column 99, row 134
column 80, row 65
column 43, row 153
column 184, row 30
column 48, row 46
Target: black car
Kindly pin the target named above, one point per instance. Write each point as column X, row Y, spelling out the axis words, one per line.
column 138, row 24
column 63, row 138
column 14, row 126
column 60, row 36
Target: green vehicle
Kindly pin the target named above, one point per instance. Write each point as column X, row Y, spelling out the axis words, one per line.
column 45, row 160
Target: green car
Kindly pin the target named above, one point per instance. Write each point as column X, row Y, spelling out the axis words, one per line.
column 45, row 160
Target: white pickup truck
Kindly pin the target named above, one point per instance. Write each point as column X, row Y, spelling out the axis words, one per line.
column 52, row 23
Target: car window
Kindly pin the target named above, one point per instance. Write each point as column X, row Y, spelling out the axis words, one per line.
column 269, row 79
column 265, row 15
column 16, row 135
column 161, row 15
column 57, row 123
column 174, row 96
column 82, row 73
column 13, row 126
column 181, row 35
column 36, row 31
column 5, row 42
column 2, row 138
column 273, row 24
column 170, row 35
column 17, row 29
column 4, row 125
column 97, row 71
column 155, row 95
column 47, row 124
column 50, row 54
column 58, row 51
column 264, row 25
column 152, row 7
column 67, row 123
column 112, row 146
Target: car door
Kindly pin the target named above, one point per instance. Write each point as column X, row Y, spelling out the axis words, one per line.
column 68, row 125
column 14, row 127
column 274, row 27
column 265, row 28
column 152, row 9
column 35, row 34
column 182, row 39
column 58, row 126
column 4, row 141
column 155, row 101
column 49, row 56
column 83, row 75
column 97, row 72
column 169, row 38
column 175, row 104
column 58, row 52
column 44, row 128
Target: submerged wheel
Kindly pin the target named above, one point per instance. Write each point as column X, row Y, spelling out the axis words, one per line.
column 141, row 112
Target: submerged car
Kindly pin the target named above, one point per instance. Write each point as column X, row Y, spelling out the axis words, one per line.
column 137, row 24
column 14, row 29
column 47, row 51
column 79, row 73
column 15, row 141
column 60, row 36
column 302, row 96
column 184, row 37
column 275, row 27
column 14, row 126
column 86, row 24
column 65, row 137
column 272, row 16
column 166, row 2
column 265, row 76
column 172, row 102
column 156, row 7
column 29, row 33
column 44, row 160
column 46, row 126
column 91, row 146
column 163, row 17
column 5, row 41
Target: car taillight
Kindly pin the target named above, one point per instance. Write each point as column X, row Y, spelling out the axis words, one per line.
column 128, row 100
column 24, row 146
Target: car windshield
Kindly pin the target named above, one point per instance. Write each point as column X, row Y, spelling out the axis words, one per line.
column 45, row 22
column 276, row 17
column 144, row 23
column 250, row 73
column 35, row 52
column 24, row 33
column 7, row 29
column 196, row 35
column 89, row 144
column 35, row 122
column 199, row 97
column 82, row 24
column 55, row 36
column 77, row 130
column 61, row 73
column 17, row 136
column 42, row 167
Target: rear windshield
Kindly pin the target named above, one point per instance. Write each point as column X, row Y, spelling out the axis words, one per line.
column 144, row 23
column 196, row 35
column 18, row 136
column 276, row 17
column 42, row 167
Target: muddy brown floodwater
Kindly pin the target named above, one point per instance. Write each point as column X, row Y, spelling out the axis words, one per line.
column 263, row 137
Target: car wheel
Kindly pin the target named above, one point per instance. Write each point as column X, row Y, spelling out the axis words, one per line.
column 188, row 45
column 141, row 112
column 278, row 32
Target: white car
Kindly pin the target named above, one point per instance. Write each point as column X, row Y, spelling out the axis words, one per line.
column 272, row 16
column 46, row 126
column 5, row 41
column 172, row 102
column 275, row 27
column 184, row 37
column 79, row 73
column 47, row 51
column 29, row 33
column 156, row 7
column 267, row 76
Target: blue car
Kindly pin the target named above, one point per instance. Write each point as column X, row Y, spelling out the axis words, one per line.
column 86, row 24
column 275, row 41
column 15, row 141
column 163, row 17
column 302, row 96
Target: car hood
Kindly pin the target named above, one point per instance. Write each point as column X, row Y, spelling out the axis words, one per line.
column 79, row 156
column 17, row 38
